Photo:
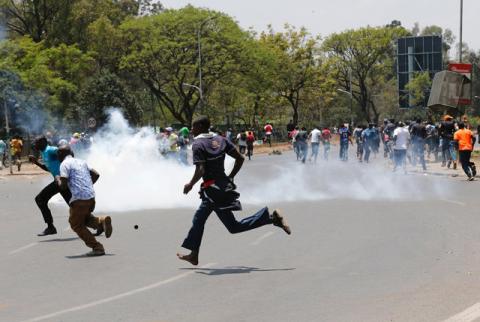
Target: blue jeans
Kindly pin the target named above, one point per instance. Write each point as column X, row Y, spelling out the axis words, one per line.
column 315, row 146
column 367, row 148
column 399, row 157
column 303, row 147
column 344, row 151
column 194, row 237
column 419, row 152
column 326, row 150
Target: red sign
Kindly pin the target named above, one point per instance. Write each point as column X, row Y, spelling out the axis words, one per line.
column 460, row 68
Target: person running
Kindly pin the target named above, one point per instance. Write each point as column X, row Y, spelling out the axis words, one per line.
column 326, row 137
column 268, row 128
column 182, row 143
column 302, row 144
column 357, row 134
column 16, row 149
column 315, row 136
column 400, row 139
column 370, row 139
column 345, row 138
column 432, row 140
column 217, row 191
column 3, row 150
column 387, row 133
column 250, row 141
column 296, row 148
column 172, row 143
column 446, row 132
column 419, row 134
column 242, row 142
column 50, row 164
column 77, row 177
column 466, row 141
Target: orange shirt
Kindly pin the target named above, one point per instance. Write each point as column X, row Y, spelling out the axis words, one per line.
column 464, row 138
column 16, row 145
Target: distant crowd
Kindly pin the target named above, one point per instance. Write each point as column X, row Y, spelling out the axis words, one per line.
column 449, row 142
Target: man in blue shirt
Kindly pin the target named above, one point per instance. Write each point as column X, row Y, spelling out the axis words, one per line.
column 50, row 164
column 218, row 190
column 345, row 138
column 3, row 149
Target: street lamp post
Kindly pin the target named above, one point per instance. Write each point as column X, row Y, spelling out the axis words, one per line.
column 351, row 102
column 7, row 128
column 199, row 43
column 461, row 31
column 199, row 89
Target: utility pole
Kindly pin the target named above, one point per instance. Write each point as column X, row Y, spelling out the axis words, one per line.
column 460, row 47
column 7, row 128
column 200, row 81
column 351, row 95
column 200, row 67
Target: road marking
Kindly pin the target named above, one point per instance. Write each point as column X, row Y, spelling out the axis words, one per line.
column 469, row 315
column 261, row 238
column 66, row 228
column 455, row 202
column 18, row 250
column 118, row 296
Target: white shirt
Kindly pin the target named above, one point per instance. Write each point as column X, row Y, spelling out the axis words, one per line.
column 77, row 173
column 315, row 135
column 402, row 136
column 240, row 141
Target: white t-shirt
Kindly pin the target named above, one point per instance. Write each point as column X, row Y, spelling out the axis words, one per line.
column 78, row 177
column 240, row 141
column 315, row 136
column 402, row 136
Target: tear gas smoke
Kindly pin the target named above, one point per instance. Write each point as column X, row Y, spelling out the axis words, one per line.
column 135, row 176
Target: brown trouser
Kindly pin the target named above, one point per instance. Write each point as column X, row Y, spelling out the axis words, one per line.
column 81, row 217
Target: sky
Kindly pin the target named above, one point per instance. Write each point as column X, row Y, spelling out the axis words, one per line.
column 324, row 17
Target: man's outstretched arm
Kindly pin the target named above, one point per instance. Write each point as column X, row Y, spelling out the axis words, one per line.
column 238, row 162
column 34, row 160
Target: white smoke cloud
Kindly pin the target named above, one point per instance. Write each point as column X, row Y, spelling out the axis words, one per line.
column 134, row 176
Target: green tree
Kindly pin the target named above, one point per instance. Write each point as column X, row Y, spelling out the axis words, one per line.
column 59, row 72
column 105, row 91
column 419, row 87
column 296, row 53
column 162, row 51
column 33, row 18
column 367, row 55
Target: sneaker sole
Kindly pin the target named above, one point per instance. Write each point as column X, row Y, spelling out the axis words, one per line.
column 107, row 226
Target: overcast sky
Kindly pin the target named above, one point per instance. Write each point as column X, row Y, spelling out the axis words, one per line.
column 326, row 16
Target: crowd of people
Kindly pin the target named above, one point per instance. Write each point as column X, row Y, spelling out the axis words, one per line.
column 449, row 142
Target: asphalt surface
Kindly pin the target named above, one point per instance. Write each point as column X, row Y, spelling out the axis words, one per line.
column 367, row 245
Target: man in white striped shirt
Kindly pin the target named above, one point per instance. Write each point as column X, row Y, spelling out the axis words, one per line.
column 79, row 178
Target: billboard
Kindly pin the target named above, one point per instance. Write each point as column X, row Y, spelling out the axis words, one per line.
column 416, row 54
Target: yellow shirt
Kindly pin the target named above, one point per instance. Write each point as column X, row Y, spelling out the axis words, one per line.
column 16, row 145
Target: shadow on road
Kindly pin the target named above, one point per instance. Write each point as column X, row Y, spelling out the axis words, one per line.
column 59, row 240
column 85, row 256
column 235, row 270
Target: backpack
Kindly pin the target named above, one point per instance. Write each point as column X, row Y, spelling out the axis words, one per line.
column 243, row 137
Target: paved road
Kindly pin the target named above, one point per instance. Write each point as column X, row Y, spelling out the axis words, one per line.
column 366, row 246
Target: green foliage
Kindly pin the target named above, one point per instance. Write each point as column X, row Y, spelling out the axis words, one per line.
column 418, row 87
column 103, row 92
column 76, row 58
column 296, row 64
column 162, row 51
column 367, row 53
